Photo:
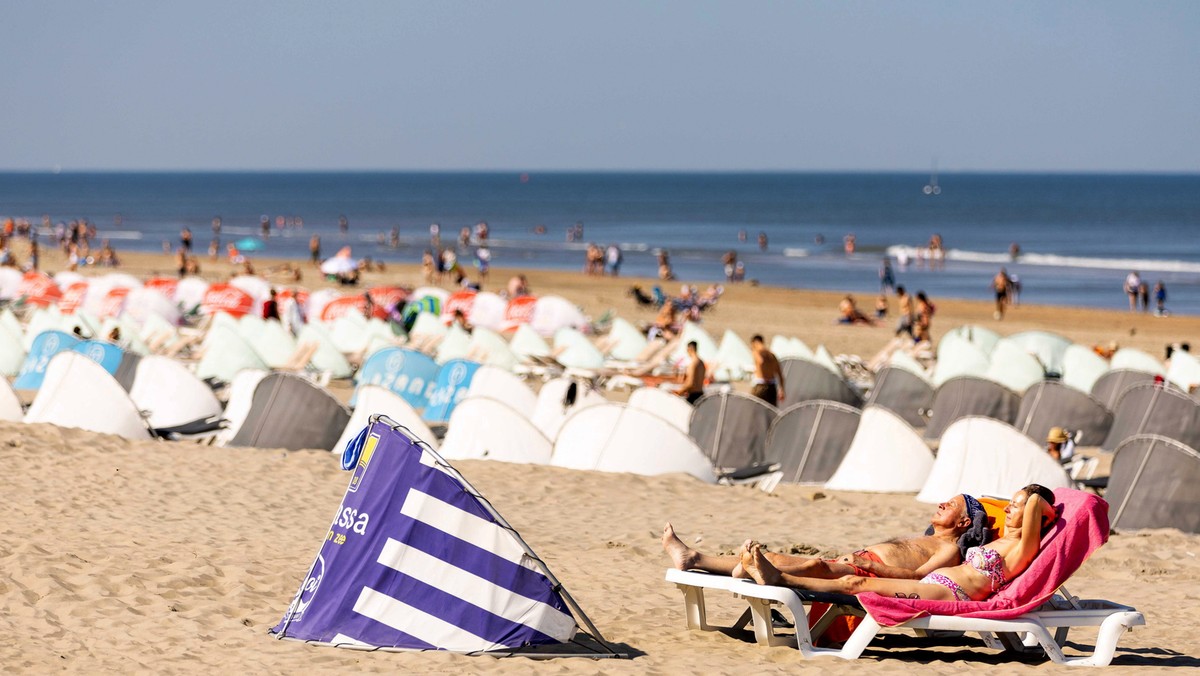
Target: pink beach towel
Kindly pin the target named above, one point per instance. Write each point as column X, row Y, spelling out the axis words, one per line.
column 1081, row 529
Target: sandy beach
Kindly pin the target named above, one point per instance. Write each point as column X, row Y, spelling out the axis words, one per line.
column 169, row 557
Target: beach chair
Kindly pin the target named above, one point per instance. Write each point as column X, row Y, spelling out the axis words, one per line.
column 1033, row 611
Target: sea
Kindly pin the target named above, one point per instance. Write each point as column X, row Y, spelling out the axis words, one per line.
column 1069, row 239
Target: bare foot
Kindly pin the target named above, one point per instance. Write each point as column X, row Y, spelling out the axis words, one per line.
column 739, row 572
column 755, row 562
column 682, row 556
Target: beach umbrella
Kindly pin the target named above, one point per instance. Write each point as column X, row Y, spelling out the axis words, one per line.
column 228, row 299
column 519, row 311
column 72, row 297
column 298, row 295
column 114, row 302
column 38, row 289
column 340, row 307
column 459, row 300
column 385, row 298
column 249, row 244
column 164, row 285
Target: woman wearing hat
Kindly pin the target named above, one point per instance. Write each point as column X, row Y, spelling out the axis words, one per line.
column 1056, row 444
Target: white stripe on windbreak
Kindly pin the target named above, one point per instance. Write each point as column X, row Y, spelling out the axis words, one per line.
column 477, row 591
column 418, row 623
column 344, row 640
column 462, row 525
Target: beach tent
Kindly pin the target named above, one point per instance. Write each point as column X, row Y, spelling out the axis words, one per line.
column 983, row 338
column 1153, row 485
column 164, row 285
column 273, row 343
column 1049, row 348
column 189, row 293
column 554, row 404
column 489, row 347
column 257, row 288
column 1136, row 360
column 551, row 313
column 485, row 428
column 293, row 413
column 375, row 400
column 12, row 353
column 317, row 300
column 456, row 344
column 499, row 384
column 982, row 456
column 731, row 429
column 574, row 350
column 460, row 301
column 337, row 308
column 784, row 347
column 227, row 299
column 129, row 335
column 37, row 288
column 519, row 312
column 488, row 311
column 734, row 361
column 449, row 388
column 10, row 322
column 959, row 357
column 905, row 361
column 625, row 342
column 45, row 346
column 82, row 323
column 1109, row 387
column 437, row 293
column 78, row 392
column 527, row 343
column 327, row 358
column 427, row 326
column 966, row 396
column 408, row 373
column 106, row 354
column 241, row 399
column 1082, row 367
column 666, row 405
column 171, row 394
column 885, row 456
column 1052, row 404
column 1151, row 408
column 618, row 438
column 157, row 329
column 417, row 559
column 10, row 403
column 226, row 353
column 806, row 380
column 822, row 357
column 902, row 392
column 1184, row 371
column 348, row 331
column 1013, row 367
column 40, row 321
column 810, row 439
column 706, row 347
column 72, row 296
column 10, row 280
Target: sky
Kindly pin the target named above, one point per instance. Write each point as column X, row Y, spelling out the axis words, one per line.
column 671, row 85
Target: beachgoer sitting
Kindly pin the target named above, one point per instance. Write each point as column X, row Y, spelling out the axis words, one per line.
column 1059, row 444
column 848, row 312
column 643, row 299
column 665, row 324
column 958, row 524
column 985, row 569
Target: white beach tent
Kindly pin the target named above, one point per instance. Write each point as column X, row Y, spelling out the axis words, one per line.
column 734, row 361
column 1135, row 360
column 706, row 347
column 440, row 294
column 906, row 362
column 40, row 321
column 171, row 394
column 550, row 410
column 10, row 280
column 958, row 356
column 574, row 350
column 427, row 325
column 274, row 343
column 145, row 302
column 551, row 313
column 189, row 292
column 488, row 311
column 241, row 399
column 1013, row 367
column 456, row 344
column 348, row 331
column 625, row 342
column 617, row 438
column 982, row 338
column 226, row 353
column 1048, row 347
column 483, row 428
column 256, row 287
column 821, row 356
column 781, row 346
column 982, row 456
column 87, row 323
column 527, row 343
column 10, row 403
column 1082, row 367
column 499, row 384
column 78, row 392
column 9, row 321
column 489, row 347
column 327, row 357
column 373, row 399
column 666, row 405
column 886, row 456
column 129, row 340
column 317, row 300
column 1184, row 371
column 12, row 353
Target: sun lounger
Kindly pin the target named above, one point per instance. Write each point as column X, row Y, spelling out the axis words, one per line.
column 1032, row 610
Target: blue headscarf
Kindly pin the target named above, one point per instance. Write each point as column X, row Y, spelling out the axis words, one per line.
column 977, row 533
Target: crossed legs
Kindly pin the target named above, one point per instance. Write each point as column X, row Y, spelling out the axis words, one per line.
column 686, row 558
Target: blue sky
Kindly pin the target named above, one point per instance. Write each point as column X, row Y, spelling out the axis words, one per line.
column 1058, row 86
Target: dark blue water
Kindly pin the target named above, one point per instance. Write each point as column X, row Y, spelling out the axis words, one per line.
column 1078, row 234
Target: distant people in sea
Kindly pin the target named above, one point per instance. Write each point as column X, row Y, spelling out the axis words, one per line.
column 937, row 252
column 729, row 261
column 1144, row 295
column 343, row 224
column 1001, row 285
column 742, row 235
column 1014, row 290
column 185, row 239
column 887, row 278
column 849, row 243
column 216, row 225
column 762, row 241
column 483, row 262
column 314, row 248
column 613, row 259
column 435, row 235
column 394, row 238
column 464, row 236
column 665, row 272
column 593, row 262
column 1133, row 283
column 1014, row 251
column 1160, row 299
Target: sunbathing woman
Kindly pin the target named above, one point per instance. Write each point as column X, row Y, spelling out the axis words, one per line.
column 983, row 571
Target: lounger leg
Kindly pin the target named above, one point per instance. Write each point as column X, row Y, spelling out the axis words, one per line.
column 859, row 640
column 694, row 611
column 1106, row 641
column 764, row 630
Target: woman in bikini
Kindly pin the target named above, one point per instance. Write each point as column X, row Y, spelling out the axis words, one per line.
column 983, row 572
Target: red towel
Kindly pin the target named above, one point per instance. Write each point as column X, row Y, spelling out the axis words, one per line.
column 1081, row 529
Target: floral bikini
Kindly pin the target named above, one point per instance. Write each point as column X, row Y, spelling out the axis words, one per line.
column 986, row 561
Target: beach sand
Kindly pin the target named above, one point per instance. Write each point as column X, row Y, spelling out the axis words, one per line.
column 166, row 557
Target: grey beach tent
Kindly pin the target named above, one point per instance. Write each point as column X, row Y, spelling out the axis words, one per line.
column 731, row 429
column 810, row 439
column 1151, row 408
column 902, row 392
column 806, row 380
column 1052, row 404
column 1153, row 484
column 290, row 412
column 967, row 395
column 1109, row 387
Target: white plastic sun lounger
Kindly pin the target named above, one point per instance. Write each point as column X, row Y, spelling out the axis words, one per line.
column 1045, row 627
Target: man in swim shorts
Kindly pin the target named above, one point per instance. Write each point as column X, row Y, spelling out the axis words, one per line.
column 768, row 376
column 958, row 524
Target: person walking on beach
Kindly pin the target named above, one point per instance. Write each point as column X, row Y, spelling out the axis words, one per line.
column 923, row 327
column 1160, row 299
column 768, row 376
column 185, row 239
column 1144, row 294
column 613, row 258
column 1001, row 284
column 905, row 324
column 693, row 380
column 1133, row 282
column 314, row 248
